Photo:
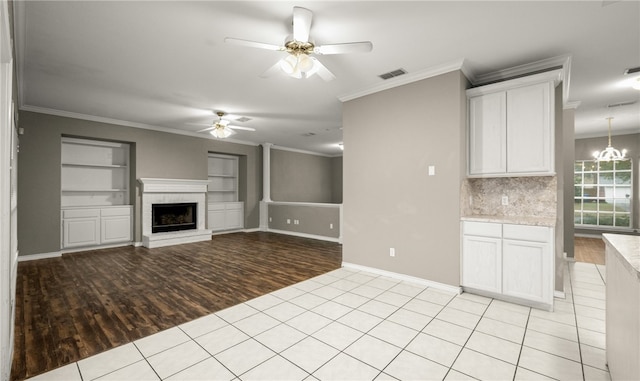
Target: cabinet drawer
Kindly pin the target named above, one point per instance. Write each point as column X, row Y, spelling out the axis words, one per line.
column 526, row 233
column 107, row 212
column 80, row 213
column 212, row 207
column 485, row 229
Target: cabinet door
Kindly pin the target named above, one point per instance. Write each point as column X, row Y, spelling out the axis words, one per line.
column 482, row 263
column 234, row 218
column 215, row 219
column 115, row 229
column 529, row 129
column 487, row 134
column 527, row 270
column 80, row 232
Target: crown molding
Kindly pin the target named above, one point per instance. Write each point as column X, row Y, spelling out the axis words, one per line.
column 559, row 62
column 572, row 105
column 125, row 123
column 280, row 148
column 407, row 78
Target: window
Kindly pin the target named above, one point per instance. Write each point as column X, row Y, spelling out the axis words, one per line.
column 603, row 193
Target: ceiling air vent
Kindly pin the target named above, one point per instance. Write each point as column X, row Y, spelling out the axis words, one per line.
column 309, row 134
column 243, row 119
column 393, row 73
column 632, row 70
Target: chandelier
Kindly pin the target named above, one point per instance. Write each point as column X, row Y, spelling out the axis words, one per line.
column 609, row 153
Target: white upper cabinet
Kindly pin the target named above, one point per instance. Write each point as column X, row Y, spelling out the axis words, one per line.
column 511, row 127
column 488, row 134
column 529, row 129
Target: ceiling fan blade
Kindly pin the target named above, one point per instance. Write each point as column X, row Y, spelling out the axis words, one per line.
column 252, row 44
column 207, row 129
column 348, row 47
column 273, row 70
column 322, row 71
column 241, row 128
column 301, row 24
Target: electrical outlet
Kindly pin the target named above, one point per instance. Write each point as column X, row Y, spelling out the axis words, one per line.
column 330, row 226
column 288, row 220
column 270, row 219
column 432, row 170
column 505, row 200
column 392, row 252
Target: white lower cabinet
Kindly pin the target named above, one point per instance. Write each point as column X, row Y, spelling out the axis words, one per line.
column 225, row 216
column 96, row 226
column 515, row 262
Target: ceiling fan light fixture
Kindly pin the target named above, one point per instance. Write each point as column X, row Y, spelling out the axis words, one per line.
column 221, row 131
column 298, row 65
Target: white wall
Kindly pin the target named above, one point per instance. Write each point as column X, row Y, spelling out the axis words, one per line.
column 8, row 211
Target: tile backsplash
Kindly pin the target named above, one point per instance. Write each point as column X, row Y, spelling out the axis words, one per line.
column 526, row 196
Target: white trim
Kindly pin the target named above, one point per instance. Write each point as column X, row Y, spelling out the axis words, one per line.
column 408, row 78
column 252, row 230
column 554, row 75
column 305, row 235
column 405, row 278
column 125, row 123
column 572, row 105
column 549, row 63
column 35, row 257
column 588, row 235
column 156, row 185
column 281, row 148
column 91, row 248
column 559, row 295
column 319, row 204
column 223, row 232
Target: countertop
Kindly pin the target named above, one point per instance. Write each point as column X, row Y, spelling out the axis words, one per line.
column 516, row 220
column 627, row 249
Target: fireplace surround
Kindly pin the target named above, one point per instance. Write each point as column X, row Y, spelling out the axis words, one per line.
column 169, row 192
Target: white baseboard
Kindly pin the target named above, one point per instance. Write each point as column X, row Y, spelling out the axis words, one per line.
column 559, row 294
column 305, row 235
column 407, row 278
column 228, row 231
column 252, row 230
column 87, row 248
column 34, row 257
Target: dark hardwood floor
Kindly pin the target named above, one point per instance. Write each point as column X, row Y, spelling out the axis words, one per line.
column 590, row 250
column 72, row 307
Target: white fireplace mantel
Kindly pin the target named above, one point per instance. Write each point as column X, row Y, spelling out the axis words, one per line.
column 165, row 191
column 154, row 185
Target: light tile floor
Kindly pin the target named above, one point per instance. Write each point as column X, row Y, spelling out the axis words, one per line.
column 354, row 325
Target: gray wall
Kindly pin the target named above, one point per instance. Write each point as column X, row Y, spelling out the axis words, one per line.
column 300, row 177
column 389, row 199
column 568, row 146
column 584, row 149
column 336, row 180
column 155, row 154
column 314, row 220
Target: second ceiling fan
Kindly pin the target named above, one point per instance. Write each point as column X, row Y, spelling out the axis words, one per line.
column 299, row 63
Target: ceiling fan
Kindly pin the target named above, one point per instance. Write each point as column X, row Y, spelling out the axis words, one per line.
column 222, row 129
column 299, row 63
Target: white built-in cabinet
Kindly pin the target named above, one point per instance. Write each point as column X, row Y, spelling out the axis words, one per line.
column 511, row 127
column 224, row 210
column 513, row 262
column 95, row 204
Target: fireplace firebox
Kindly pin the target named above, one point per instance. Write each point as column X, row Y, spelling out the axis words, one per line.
column 174, row 217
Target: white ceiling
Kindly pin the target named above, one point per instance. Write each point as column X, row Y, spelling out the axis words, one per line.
column 164, row 64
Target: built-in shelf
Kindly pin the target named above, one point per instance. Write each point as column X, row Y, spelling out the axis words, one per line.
column 225, row 211
column 94, row 193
